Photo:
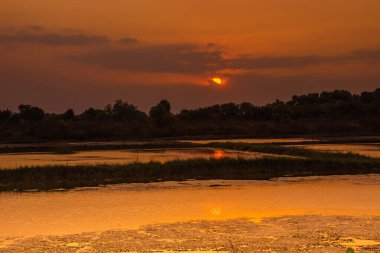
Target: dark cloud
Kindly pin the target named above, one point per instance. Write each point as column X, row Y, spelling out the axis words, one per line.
column 34, row 28
column 188, row 58
column 272, row 62
column 53, row 39
column 246, row 62
column 365, row 54
column 179, row 58
column 128, row 40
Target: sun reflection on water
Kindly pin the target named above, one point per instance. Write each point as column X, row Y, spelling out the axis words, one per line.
column 216, row 211
column 219, row 154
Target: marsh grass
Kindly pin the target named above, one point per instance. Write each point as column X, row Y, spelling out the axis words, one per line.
column 63, row 150
column 293, row 151
column 305, row 162
column 61, row 176
column 271, row 147
column 60, row 148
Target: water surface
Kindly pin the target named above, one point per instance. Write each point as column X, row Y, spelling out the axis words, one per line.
column 371, row 150
column 16, row 160
column 253, row 141
column 133, row 205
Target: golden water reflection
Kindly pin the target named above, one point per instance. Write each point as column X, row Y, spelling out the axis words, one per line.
column 219, row 154
column 372, row 150
column 133, row 205
column 16, row 160
column 356, row 243
column 257, row 141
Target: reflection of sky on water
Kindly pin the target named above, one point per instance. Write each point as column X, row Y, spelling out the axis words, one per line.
column 119, row 157
column 130, row 206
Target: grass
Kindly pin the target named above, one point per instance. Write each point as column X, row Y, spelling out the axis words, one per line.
column 62, row 148
column 60, row 176
column 293, row 151
column 306, row 163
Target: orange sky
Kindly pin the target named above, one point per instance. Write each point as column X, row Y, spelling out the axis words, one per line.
column 68, row 53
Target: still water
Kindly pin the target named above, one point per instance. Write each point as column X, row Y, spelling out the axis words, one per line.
column 133, row 205
column 371, row 150
column 257, row 141
column 15, row 160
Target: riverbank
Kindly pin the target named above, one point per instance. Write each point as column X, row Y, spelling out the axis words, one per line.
column 64, row 147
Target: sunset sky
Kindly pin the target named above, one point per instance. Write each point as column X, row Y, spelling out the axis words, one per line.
column 58, row 54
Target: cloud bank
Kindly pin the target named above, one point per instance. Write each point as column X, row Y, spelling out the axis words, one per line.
column 53, row 39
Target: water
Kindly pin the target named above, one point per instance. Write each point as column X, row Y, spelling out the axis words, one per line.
column 121, row 143
column 15, row 160
column 327, row 214
column 133, row 205
column 372, row 150
column 257, row 141
column 291, row 214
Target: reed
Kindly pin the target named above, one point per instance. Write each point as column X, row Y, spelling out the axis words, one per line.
column 66, row 177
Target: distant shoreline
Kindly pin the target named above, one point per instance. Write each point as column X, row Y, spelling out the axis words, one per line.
column 74, row 146
column 338, row 113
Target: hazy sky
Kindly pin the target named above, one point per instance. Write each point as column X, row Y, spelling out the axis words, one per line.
column 80, row 53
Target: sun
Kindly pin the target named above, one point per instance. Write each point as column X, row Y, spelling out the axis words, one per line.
column 217, row 80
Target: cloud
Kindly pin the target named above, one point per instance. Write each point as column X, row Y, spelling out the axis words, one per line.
column 272, row 62
column 128, row 40
column 176, row 58
column 249, row 63
column 191, row 58
column 53, row 39
column 365, row 54
column 34, row 28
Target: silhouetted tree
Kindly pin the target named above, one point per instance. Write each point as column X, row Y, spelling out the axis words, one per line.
column 28, row 112
column 246, row 110
column 123, row 111
column 5, row 115
column 160, row 114
column 229, row 111
column 93, row 114
column 333, row 112
column 68, row 115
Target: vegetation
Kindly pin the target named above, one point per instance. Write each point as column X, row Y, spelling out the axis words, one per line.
column 337, row 112
column 66, row 148
column 293, row 151
column 314, row 163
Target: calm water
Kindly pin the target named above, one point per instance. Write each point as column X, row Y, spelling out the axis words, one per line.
column 258, row 141
column 16, row 160
column 120, row 143
column 131, row 206
column 372, row 150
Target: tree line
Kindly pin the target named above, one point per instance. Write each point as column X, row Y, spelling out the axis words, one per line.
column 333, row 112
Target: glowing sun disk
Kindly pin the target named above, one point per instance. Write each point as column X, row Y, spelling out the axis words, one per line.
column 217, row 80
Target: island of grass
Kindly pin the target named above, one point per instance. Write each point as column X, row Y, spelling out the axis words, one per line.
column 301, row 163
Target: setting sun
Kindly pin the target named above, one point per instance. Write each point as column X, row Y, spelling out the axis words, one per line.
column 194, row 125
column 217, row 80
